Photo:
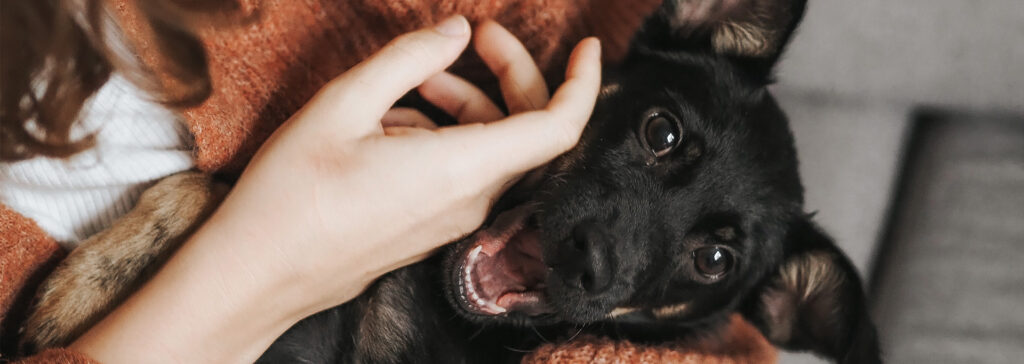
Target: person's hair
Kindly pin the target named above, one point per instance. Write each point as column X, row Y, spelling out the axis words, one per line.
column 57, row 53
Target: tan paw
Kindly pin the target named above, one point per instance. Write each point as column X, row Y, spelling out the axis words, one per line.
column 109, row 266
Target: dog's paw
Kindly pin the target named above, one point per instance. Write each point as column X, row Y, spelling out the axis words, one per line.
column 66, row 305
column 104, row 269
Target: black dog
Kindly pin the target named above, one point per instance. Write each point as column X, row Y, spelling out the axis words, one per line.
column 681, row 205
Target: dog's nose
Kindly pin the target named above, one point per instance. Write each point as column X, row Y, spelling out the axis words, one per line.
column 591, row 268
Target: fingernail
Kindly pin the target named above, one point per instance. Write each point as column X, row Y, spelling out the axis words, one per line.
column 595, row 50
column 454, row 26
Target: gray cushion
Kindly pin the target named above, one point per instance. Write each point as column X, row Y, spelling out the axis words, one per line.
column 951, row 277
column 957, row 53
column 849, row 155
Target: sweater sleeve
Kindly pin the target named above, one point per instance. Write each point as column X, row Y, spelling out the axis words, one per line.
column 738, row 343
column 59, row 355
column 27, row 255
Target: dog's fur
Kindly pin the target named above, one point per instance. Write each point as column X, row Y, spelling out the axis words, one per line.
column 618, row 226
column 108, row 266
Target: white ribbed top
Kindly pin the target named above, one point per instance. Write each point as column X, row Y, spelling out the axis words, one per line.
column 137, row 143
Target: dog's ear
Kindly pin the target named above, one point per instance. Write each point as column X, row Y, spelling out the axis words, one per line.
column 752, row 32
column 814, row 301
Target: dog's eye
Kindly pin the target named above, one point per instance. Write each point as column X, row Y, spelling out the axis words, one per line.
column 712, row 261
column 661, row 133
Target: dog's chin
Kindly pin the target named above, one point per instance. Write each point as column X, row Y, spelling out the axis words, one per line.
column 498, row 273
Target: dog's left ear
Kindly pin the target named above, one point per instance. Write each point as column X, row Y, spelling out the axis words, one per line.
column 815, row 301
column 751, row 32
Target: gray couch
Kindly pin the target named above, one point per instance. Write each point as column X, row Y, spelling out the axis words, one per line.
column 909, row 119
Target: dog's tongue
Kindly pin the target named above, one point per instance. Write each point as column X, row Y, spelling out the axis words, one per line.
column 531, row 302
column 504, row 266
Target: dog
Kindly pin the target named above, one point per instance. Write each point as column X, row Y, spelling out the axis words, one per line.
column 680, row 206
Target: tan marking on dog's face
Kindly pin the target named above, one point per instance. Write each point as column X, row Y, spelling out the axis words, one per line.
column 726, row 233
column 669, row 311
column 609, row 89
column 619, row 311
column 693, row 151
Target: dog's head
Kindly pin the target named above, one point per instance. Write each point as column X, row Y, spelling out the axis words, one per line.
column 681, row 204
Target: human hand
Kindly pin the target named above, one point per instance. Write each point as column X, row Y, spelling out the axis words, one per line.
column 347, row 190
column 337, row 198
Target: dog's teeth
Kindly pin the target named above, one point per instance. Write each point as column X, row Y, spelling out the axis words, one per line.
column 494, row 307
column 471, row 292
column 473, row 254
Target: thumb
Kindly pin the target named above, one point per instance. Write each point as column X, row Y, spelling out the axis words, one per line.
column 364, row 93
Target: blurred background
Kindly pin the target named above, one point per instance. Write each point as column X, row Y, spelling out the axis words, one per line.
column 909, row 120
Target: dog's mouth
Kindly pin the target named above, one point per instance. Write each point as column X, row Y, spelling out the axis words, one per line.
column 501, row 268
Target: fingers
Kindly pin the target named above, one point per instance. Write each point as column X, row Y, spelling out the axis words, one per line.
column 569, row 109
column 364, row 93
column 522, row 84
column 526, row 140
column 406, row 117
column 397, row 131
column 460, row 99
column 579, row 92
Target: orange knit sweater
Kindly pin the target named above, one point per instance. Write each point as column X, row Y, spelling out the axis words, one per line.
column 265, row 70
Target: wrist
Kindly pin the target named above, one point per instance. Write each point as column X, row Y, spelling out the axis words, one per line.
column 272, row 266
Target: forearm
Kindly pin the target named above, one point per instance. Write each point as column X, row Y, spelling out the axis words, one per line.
column 207, row 304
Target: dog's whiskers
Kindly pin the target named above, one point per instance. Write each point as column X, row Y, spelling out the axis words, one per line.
column 577, row 333
column 542, row 338
column 509, row 348
column 478, row 332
